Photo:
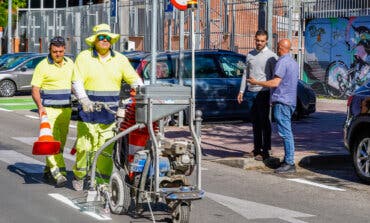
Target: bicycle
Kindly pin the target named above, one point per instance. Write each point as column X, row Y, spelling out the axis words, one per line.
column 341, row 81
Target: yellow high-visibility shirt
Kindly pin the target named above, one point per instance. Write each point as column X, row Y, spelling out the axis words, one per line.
column 98, row 75
column 51, row 76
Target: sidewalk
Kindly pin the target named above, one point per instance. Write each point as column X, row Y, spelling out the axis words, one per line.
column 318, row 138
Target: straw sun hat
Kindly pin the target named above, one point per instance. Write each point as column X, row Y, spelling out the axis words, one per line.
column 102, row 29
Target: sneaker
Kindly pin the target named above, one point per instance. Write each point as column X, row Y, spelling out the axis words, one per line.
column 286, row 168
column 78, row 185
column 258, row 157
column 60, row 181
column 266, row 156
column 251, row 154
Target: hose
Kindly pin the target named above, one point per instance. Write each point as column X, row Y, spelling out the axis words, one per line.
column 144, row 176
column 104, row 146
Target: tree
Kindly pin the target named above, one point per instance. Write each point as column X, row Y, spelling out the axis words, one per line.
column 4, row 9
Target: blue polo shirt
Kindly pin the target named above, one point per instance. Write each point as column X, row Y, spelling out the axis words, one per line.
column 287, row 69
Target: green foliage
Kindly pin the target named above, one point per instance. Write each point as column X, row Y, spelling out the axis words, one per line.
column 4, row 10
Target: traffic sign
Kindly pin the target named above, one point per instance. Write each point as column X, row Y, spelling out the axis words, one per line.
column 180, row 4
column 113, row 8
column 169, row 7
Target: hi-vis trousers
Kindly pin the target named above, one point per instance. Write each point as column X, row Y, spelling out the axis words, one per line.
column 59, row 119
column 90, row 137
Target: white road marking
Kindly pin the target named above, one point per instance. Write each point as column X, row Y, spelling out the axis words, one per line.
column 73, row 126
column 303, row 181
column 3, row 109
column 22, row 162
column 32, row 166
column 252, row 210
column 32, row 116
column 70, row 203
column 31, row 140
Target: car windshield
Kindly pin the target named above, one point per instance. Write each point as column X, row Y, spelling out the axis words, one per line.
column 134, row 63
column 12, row 62
column 3, row 58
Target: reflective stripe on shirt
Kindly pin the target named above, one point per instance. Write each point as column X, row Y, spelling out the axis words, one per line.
column 56, row 97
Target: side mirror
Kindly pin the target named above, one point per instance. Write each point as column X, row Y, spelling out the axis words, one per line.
column 23, row 69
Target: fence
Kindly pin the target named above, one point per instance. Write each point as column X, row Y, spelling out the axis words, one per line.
column 222, row 24
column 335, row 8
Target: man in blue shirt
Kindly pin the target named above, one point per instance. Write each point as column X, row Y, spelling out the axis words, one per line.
column 283, row 99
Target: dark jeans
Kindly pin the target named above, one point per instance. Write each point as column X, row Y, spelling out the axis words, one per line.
column 259, row 104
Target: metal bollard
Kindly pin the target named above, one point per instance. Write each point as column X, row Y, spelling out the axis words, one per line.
column 198, row 123
column 198, row 126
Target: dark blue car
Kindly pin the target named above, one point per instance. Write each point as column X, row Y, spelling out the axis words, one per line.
column 218, row 78
column 357, row 131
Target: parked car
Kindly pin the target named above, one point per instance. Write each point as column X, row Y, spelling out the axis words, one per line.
column 218, row 78
column 135, row 57
column 357, row 131
column 16, row 73
column 9, row 57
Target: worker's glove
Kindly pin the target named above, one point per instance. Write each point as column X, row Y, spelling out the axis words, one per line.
column 87, row 105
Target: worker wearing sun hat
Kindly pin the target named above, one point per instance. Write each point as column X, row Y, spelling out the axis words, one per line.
column 97, row 76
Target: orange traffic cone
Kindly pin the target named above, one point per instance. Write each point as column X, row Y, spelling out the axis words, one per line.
column 45, row 145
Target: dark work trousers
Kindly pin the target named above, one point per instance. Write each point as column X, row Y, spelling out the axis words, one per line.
column 259, row 104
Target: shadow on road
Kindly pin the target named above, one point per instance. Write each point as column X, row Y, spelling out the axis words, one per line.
column 337, row 167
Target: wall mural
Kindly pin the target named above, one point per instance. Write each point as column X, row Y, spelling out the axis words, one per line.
column 337, row 55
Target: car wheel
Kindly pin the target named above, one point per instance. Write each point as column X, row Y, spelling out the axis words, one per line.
column 7, row 88
column 361, row 157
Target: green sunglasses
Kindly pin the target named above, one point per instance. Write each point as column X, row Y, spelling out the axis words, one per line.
column 103, row 37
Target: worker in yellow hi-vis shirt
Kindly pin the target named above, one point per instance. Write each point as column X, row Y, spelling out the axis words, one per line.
column 51, row 91
column 97, row 76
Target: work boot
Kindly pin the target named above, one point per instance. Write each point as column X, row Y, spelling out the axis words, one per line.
column 78, row 185
column 286, row 168
column 60, row 181
column 47, row 177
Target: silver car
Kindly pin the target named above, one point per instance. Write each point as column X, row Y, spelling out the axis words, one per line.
column 16, row 73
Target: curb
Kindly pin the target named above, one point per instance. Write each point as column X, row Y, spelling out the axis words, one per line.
column 237, row 162
column 308, row 161
column 248, row 163
column 332, row 101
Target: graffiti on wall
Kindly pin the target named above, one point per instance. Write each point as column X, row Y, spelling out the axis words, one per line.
column 337, row 55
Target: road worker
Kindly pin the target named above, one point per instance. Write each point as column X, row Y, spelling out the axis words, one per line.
column 97, row 77
column 51, row 91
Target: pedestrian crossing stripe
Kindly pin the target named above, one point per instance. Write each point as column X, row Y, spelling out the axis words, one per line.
column 17, row 103
column 22, row 162
column 32, row 166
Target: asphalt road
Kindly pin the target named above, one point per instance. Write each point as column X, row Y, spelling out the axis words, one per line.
column 315, row 194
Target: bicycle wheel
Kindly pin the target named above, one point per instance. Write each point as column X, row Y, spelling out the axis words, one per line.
column 336, row 79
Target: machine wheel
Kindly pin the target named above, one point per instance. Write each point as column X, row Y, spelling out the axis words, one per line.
column 181, row 214
column 120, row 194
column 361, row 157
column 7, row 88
